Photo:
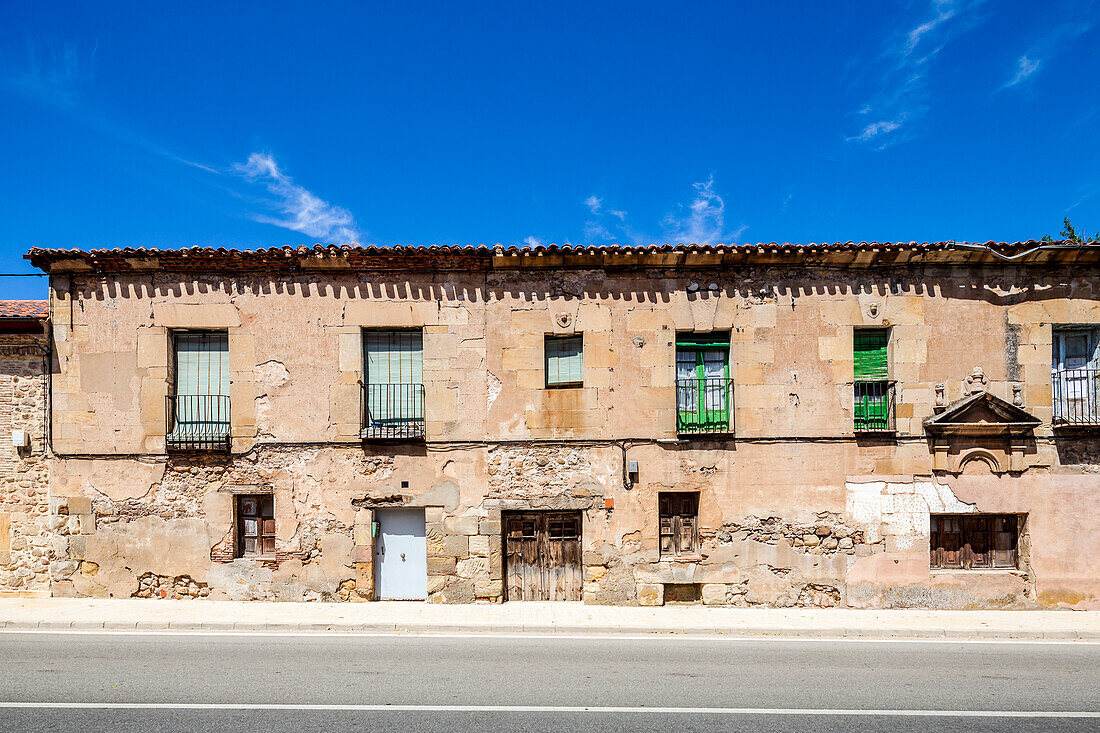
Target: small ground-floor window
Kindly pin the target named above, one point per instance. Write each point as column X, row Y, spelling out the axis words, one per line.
column 974, row 541
column 256, row 525
column 679, row 522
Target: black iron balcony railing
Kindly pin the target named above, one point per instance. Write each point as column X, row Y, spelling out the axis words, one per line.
column 197, row 422
column 704, row 405
column 1076, row 395
column 393, row 412
column 873, row 405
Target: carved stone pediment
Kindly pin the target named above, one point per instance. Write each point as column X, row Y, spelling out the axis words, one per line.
column 981, row 427
column 981, row 414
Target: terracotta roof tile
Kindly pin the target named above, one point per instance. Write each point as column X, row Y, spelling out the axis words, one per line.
column 459, row 257
column 24, row 308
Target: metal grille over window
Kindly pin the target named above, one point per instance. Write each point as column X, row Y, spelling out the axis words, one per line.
column 197, row 413
column 564, row 361
column 974, row 541
column 873, row 390
column 256, row 526
column 393, row 388
column 1075, row 377
column 704, row 391
column 679, row 522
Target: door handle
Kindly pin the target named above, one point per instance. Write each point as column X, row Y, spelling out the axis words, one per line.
column 402, row 557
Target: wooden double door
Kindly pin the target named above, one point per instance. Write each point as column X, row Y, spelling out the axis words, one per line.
column 542, row 556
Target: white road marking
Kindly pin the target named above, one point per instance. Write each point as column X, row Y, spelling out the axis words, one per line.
column 556, row 709
column 546, row 636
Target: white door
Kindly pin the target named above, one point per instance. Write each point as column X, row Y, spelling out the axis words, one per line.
column 400, row 555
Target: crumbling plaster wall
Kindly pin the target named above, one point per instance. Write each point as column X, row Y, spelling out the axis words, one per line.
column 25, row 537
column 296, row 356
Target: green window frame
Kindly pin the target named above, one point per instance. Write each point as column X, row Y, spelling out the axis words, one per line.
column 703, row 389
column 871, row 388
column 564, row 358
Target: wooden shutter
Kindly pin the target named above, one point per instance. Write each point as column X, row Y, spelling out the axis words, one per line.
column 969, row 541
column 678, row 528
column 870, row 354
column 564, row 360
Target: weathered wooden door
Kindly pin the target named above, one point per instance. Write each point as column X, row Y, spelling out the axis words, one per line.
column 542, row 556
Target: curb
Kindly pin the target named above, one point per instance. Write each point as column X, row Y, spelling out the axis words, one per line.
column 761, row 633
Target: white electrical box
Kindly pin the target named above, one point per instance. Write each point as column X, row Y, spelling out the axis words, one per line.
column 20, row 439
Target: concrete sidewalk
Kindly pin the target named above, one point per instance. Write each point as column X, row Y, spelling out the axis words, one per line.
column 541, row 618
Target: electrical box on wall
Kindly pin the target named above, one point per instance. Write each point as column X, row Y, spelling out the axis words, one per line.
column 20, row 439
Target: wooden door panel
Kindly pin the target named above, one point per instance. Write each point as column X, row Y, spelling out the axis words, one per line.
column 543, row 556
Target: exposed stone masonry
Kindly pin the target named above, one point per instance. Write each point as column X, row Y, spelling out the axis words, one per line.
column 26, row 544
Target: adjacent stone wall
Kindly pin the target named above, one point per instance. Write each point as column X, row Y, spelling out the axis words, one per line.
column 27, row 545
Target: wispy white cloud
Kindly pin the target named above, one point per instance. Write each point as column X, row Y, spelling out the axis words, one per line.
column 1025, row 67
column 302, row 211
column 595, row 207
column 903, row 92
column 703, row 221
column 1050, row 43
column 55, row 74
column 532, row 241
column 873, row 130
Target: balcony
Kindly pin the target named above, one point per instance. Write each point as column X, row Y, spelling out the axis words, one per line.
column 1076, row 394
column 704, row 406
column 197, row 422
column 393, row 412
column 873, row 406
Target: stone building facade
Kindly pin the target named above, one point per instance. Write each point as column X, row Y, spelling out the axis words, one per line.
column 615, row 425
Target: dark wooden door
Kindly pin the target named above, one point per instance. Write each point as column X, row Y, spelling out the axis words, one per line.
column 542, row 556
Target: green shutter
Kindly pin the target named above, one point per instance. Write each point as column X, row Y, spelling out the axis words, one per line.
column 871, row 354
column 564, row 360
column 871, row 409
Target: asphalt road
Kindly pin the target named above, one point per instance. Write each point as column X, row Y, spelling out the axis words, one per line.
column 153, row 682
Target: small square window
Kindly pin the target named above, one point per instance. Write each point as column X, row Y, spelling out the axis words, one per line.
column 678, row 522
column 564, row 361
column 256, row 525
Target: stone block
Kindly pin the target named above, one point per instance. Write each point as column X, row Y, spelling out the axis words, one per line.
column 594, row 572
column 441, row 565
column 86, row 523
column 77, row 546
column 651, row 594
column 464, row 525
column 433, row 514
column 489, row 526
column 473, row 567
column 457, row 545
column 714, row 594
column 361, row 535
column 479, row 545
column 488, row 588
column 79, row 505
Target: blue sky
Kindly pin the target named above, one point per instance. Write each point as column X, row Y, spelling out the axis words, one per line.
column 262, row 124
